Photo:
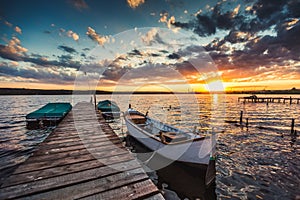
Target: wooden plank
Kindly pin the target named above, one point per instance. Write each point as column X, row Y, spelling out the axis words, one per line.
column 94, row 186
column 75, row 153
column 58, row 138
column 81, row 138
column 72, row 143
column 26, row 167
column 16, row 179
column 132, row 191
column 65, row 180
column 71, row 148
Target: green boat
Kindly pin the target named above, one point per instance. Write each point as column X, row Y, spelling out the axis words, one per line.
column 49, row 115
column 109, row 109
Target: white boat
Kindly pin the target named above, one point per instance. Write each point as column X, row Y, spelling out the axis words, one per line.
column 168, row 141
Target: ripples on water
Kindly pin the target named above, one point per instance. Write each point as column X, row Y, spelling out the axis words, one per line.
column 252, row 164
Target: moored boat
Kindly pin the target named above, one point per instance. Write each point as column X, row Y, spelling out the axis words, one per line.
column 49, row 115
column 168, row 141
column 109, row 109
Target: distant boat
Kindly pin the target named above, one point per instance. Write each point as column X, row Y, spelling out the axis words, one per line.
column 109, row 109
column 49, row 115
column 168, row 141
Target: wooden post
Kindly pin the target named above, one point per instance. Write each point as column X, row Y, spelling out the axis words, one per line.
column 95, row 101
column 284, row 100
column 292, row 126
column 247, row 123
column 290, row 100
column 241, row 117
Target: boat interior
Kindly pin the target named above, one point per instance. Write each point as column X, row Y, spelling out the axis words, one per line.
column 163, row 132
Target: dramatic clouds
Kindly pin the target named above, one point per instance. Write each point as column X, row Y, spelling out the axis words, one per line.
column 248, row 40
column 260, row 33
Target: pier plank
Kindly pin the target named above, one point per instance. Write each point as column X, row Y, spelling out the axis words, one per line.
column 132, row 191
column 94, row 164
column 94, row 186
column 65, row 169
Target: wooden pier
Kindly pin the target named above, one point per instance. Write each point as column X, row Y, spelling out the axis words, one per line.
column 253, row 99
column 81, row 159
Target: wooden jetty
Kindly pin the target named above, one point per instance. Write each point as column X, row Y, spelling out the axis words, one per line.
column 81, row 159
column 254, row 99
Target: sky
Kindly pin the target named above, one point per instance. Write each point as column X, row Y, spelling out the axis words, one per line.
column 160, row 45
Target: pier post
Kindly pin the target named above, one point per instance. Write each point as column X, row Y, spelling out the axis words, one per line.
column 95, row 101
column 247, row 123
column 292, row 126
column 241, row 117
column 284, row 100
column 290, row 100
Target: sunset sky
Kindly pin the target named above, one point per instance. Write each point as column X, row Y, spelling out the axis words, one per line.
column 177, row 45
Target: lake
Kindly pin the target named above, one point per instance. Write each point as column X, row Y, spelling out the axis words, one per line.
column 258, row 162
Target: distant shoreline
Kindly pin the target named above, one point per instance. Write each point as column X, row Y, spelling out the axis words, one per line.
column 23, row 91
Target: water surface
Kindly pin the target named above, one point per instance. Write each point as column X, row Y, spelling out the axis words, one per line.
column 255, row 163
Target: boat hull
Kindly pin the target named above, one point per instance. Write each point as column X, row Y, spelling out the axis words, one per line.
column 193, row 152
column 49, row 115
column 109, row 109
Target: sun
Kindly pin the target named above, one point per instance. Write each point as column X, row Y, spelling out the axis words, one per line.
column 215, row 86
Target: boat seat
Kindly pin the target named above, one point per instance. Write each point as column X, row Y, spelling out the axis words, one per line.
column 138, row 119
column 169, row 137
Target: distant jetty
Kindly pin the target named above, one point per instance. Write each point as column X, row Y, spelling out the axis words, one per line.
column 255, row 99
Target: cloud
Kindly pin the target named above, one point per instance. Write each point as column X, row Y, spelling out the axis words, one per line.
column 173, row 56
column 69, row 33
column 73, row 35
column 168, row 21
column 67, row 49
column 79, row 4
column 18, row 30
column 38, row 73
column 257, row 34
column 151, row 37
column 12, row 50
column 134, row 52
column 135, row 3
column 86, row 49
column 93, row 35
column 7, row 23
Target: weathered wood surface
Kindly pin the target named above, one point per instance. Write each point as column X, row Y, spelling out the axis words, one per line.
column 82, row 159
